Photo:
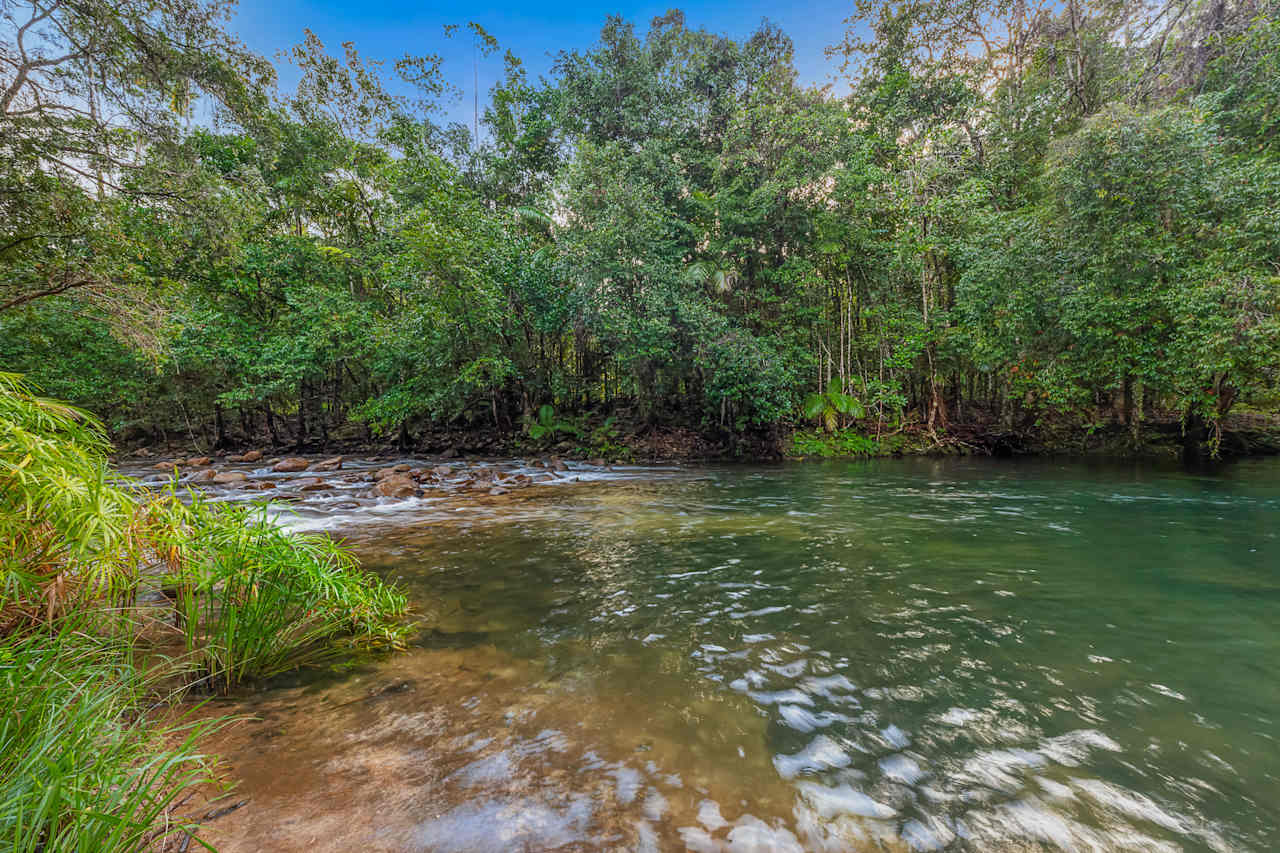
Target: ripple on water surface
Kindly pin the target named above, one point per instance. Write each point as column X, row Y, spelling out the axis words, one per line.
column 950, row 655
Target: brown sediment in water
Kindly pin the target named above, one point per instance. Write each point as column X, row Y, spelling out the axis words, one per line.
column 446, row 749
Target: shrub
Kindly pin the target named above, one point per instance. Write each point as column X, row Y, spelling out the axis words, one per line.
column 844, row 443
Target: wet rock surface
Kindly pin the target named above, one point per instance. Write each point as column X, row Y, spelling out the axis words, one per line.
column 309, row 489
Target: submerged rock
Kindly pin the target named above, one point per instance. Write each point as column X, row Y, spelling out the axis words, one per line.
column 396, row 486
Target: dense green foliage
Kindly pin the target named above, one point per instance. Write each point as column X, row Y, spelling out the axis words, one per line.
column 1017, row 212
column 251, row 598
column 94, row 572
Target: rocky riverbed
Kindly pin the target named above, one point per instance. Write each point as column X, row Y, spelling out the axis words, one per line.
column 313, row 492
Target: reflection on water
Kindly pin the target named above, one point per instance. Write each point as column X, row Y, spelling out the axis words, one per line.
column 898, row 654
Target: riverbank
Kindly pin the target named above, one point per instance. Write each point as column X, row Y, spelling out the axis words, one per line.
column 1164, row 437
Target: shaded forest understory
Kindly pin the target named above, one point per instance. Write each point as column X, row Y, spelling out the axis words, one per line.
column 1007, row 228
column 620, row 437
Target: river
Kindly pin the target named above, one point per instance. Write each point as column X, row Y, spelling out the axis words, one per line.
column 891, row 654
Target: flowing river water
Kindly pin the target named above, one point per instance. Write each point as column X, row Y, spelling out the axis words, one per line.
column 893, row 654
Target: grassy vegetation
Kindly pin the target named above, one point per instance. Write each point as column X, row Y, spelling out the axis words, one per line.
column 84, row 766
column 255, row 600
column 84, row 763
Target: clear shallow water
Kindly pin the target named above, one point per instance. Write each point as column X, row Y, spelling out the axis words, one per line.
column 967, row 655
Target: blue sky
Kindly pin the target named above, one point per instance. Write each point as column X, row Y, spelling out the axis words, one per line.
column 387, row 29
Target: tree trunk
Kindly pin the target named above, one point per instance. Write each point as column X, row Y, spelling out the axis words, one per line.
column 220, row 428
column 1193, row 436
column 301, row 437
column 271, row 425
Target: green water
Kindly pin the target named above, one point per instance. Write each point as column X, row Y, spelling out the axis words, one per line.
column 952, row 654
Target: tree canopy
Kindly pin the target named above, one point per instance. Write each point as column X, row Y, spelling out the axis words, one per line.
column 1017, row 212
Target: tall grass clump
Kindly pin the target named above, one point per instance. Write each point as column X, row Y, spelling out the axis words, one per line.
column 254, row 600
column 83, row 764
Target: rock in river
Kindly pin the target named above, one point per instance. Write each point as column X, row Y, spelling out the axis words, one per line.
column 333, row 464
column 227, row 477
column 396, row 486
column 292, row 463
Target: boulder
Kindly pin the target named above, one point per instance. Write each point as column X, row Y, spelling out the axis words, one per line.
column 558, row 465
column 206, row 474
column 198, row 461
column 251, row 456
column 163, row 466
column 396, row 486
column 291, row 464
column 383, row 473
column 312, row 484
column 402, row 468
column 227, row 477
column 333, row 464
